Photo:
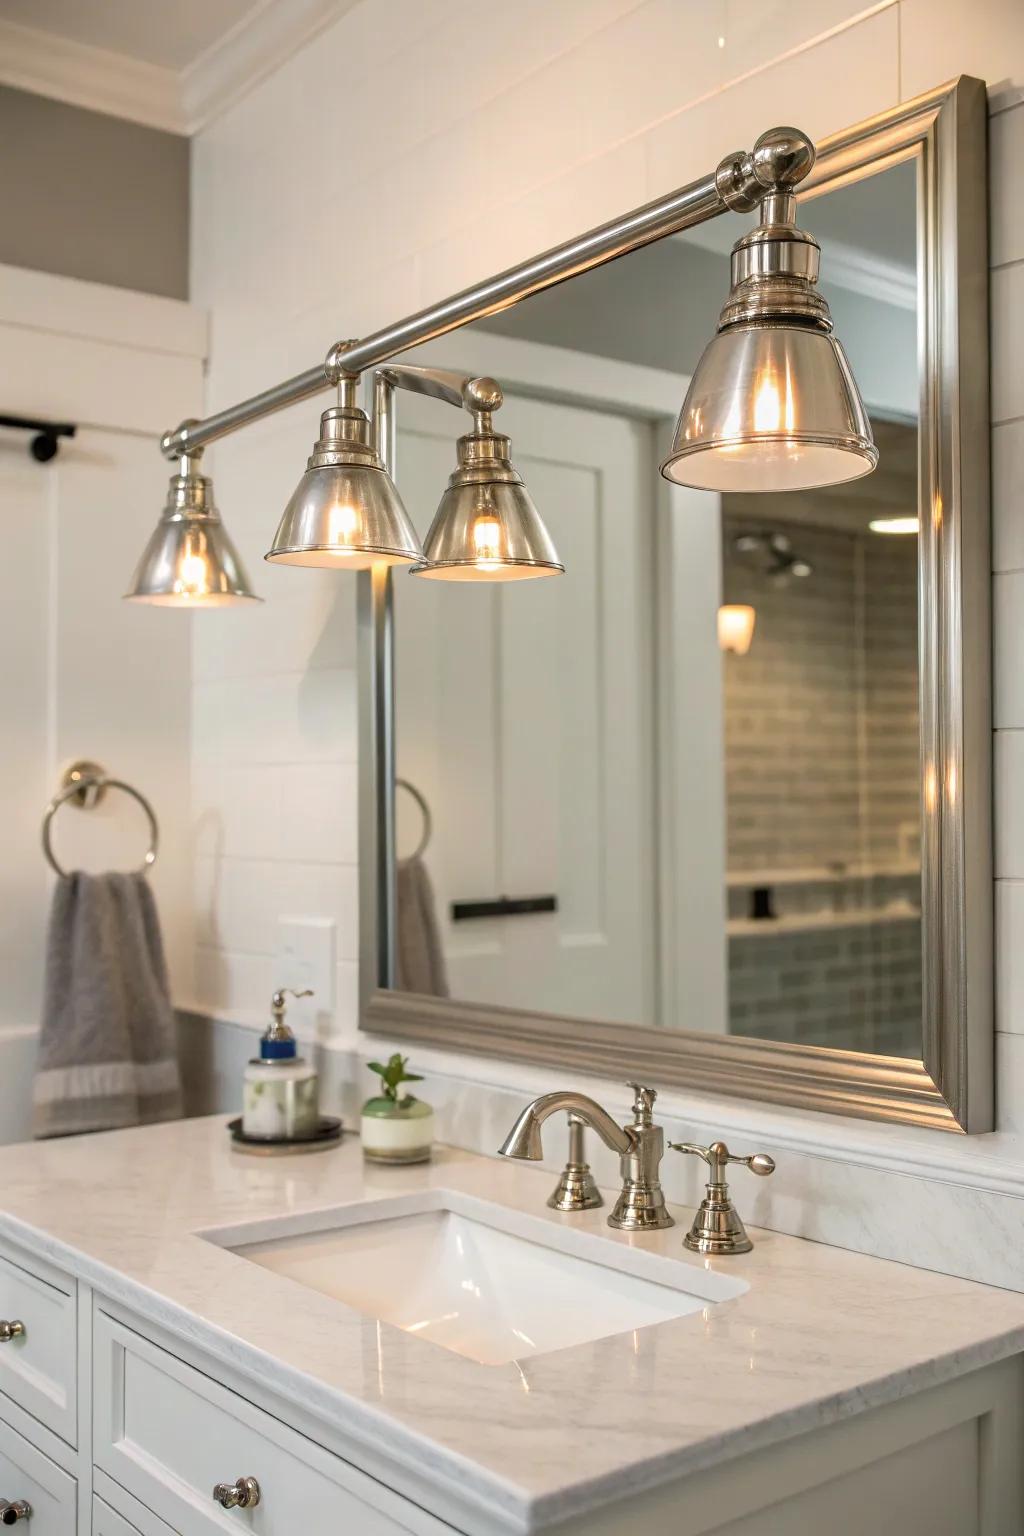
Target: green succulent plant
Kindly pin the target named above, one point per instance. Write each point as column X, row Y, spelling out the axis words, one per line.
column 393, row 1075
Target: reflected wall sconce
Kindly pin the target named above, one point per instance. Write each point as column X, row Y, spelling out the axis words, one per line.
column 736, row 627
column 190, row 560
column 773, row 405
column 895, row 525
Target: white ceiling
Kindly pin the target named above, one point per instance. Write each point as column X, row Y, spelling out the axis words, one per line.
column 172, row 64
column 170, row 35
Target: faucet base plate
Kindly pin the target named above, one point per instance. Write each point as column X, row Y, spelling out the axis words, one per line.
column 640, row 1208
column 575, row 1190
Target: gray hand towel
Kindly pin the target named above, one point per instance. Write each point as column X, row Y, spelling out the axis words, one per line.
column 107, row 1054
column 419, row 959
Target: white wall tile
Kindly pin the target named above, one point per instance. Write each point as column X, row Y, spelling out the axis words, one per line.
column 1009, row 805
column 825, row 88
column 1006, row 213
column 1006, row 296
column 319, row 808
column 252, row 812
column 1008, row 649
column 1010, row 1083
column 1010, row 956
column 943, row 38
column 1008, row 496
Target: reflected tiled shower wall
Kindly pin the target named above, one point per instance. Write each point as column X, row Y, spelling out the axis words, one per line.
column 821, row 748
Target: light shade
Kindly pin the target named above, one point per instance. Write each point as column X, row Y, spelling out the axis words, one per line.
column 772, row 405
column 345, row 512
column 771, row 408
column 190, row 561
column 486, row 527
column 736, row 627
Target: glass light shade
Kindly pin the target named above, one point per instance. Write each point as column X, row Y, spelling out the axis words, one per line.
column 488, row 531
column 190, row 561
column 771, row 407
column 345, row 516
column 736, row 627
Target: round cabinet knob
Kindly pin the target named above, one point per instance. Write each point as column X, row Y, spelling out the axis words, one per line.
column 11, row 1513
column 11, row 1330
column 244, row 1494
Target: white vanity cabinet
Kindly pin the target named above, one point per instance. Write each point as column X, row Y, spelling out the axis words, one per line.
column 109, row 1425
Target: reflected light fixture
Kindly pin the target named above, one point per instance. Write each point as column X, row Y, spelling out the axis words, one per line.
column 190, row 560
column 902, row 525
column 345, row 512
column 736, row 627
column 486, row 527
column 773, row 404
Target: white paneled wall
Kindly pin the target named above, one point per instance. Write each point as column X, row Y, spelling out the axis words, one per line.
column 379, row 170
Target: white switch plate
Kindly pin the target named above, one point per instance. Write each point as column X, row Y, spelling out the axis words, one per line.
column 306, row 958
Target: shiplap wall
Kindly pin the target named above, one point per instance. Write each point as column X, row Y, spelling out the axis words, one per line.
column 321, row 213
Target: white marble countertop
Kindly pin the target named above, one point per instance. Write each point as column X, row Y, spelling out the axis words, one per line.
column 820, row 1335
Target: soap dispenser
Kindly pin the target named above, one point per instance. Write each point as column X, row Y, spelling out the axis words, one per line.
column 281, row 1096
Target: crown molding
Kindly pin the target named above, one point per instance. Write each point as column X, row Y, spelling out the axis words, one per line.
column 860, row 271
column 257, row 45
column 177, row 101
column 83, row 76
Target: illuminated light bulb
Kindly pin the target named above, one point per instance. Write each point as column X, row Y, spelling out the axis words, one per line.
column 767, row 406
column 736, row 627
column 894, row 525
column 194, row 578
column 344, row 524
column 487, row 542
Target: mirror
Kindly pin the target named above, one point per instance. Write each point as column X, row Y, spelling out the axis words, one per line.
column 693, row 798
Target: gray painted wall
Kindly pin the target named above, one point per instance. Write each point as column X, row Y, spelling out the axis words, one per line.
column 91, row 196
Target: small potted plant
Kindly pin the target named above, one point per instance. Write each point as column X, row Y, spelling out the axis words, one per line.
column 396, row 1127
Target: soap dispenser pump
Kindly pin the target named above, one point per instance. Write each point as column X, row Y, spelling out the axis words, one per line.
column 281, row 1093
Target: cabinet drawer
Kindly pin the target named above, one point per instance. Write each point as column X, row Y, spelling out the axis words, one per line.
column 107, row 1522
column 26, row 1473
column 39, row 1369
column 167, row 1433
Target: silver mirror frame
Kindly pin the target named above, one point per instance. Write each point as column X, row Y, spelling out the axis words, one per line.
column 951, row 1087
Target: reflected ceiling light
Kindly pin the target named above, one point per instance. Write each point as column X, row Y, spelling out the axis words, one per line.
column 736, row 627
column 894, row 525
column 772, row 405
column 345, row 512
column 190, row 561
column 486, row 527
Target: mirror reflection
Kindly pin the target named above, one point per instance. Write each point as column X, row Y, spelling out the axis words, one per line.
column 679, row 786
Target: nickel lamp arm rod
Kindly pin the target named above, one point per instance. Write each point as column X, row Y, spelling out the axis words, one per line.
column 779, row 160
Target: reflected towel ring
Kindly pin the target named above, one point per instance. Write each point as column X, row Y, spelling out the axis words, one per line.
column 428, row 821
column 87, row 783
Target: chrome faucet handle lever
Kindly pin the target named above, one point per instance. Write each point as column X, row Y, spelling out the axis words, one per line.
column 576, row 1189
column 643, row 1102
column 717, row 1228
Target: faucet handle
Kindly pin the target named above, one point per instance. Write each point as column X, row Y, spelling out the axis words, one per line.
column 717, row 1228
column 717, row 1156
column 643, row 1103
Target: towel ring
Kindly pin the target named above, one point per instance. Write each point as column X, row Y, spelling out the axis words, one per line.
column 428, row 821
column 87, row 783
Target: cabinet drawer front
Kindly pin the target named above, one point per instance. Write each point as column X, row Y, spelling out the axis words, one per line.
column 167, row 1433
column 26, row 1473
column 39, row 1368
column 107, row 1522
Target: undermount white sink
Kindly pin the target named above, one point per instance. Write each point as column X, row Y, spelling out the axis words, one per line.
column 478, row 1278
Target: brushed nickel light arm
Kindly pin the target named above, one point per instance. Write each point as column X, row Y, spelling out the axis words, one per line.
column 739, row 182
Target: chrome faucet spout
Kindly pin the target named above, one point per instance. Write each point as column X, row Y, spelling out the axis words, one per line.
column 641, row 1203
column 523, row 1140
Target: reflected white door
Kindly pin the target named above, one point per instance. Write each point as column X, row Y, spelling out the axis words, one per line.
column 525, row 716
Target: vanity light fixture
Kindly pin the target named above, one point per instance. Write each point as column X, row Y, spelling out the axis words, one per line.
column 486, row 527
column 190, row 560
column 346, row 511
column 772, row 405
column 736, row 627
column 896, row 525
